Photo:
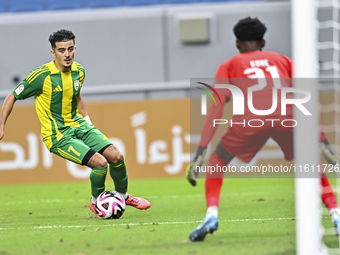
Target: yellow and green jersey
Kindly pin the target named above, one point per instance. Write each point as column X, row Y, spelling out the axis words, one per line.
column 55, row 94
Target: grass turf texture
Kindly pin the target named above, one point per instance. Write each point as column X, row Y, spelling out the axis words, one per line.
column 256, row 217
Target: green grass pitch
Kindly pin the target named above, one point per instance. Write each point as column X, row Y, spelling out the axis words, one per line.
column 256, row 217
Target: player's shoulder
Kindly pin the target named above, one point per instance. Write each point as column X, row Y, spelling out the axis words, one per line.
column 237, row 58
column 38, row 73
column 275, row 55
column 228, row 61
column 272, row 56
column 78, row 66
column 269, row 53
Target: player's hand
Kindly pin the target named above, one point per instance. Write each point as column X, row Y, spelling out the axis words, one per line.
column 192, row 167
column 330, row 156
column 88, row 120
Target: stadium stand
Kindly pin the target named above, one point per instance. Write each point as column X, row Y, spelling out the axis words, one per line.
column 66, row 4
column 103, row 3
column 3, row 6
column 180, row 1
column 141, row 2
column 41, row 5
column 211, row 1
column 26, row 6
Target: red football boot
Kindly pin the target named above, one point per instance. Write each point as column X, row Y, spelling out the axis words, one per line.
column 93, row 209
column 137, row 202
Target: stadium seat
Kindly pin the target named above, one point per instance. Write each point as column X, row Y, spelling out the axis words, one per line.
column 142, row 2
column 180, row 1
column 26, row 6
column 103, row 3
column 65, row 4
column 3, row 6
column 212, row 1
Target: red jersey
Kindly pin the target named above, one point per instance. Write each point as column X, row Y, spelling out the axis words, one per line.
column 262, row 73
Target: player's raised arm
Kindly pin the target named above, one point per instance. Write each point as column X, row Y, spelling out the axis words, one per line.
column 208, row 130
column 5, row 112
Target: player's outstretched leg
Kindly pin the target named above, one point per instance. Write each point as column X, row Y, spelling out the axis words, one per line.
column 120, row 178
column 209, row 225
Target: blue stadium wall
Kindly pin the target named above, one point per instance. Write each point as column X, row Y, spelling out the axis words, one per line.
column 135, row 46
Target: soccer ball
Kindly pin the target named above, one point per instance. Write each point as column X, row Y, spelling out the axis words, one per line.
column 110, row 205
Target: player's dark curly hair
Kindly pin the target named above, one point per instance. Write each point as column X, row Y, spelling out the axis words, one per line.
column 249, row 29
column 60, row 36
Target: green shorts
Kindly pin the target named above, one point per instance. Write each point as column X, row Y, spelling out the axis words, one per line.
column 77, row 143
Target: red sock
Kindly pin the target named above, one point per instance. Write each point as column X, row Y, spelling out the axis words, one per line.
column 213, row 182
column 327, row 194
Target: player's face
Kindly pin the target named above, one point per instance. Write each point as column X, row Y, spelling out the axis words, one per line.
column 63, row 54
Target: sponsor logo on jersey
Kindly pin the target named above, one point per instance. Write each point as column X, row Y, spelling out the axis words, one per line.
column 57, row 89
column 19, row 89
column 76, row 85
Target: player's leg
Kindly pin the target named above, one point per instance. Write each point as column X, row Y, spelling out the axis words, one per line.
column 329, row 200
column 327, row 195
column 238, row 142
column 119, row 176
column 99, row 167
column 78, row 152
column 213, row 183
column 117, row 167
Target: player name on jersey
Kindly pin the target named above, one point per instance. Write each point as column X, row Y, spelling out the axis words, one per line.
column 259, row 63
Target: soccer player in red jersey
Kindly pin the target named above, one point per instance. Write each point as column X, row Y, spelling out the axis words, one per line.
column 263, row 73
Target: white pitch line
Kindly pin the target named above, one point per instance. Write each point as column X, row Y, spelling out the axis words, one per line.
column 148, row 197
column 147, row 223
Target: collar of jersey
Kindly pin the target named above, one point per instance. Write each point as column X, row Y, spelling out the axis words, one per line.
column 54, row 69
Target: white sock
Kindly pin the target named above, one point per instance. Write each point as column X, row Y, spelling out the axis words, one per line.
column 212, row 211
column 335, row 213
column 93, row 200
column 124, row 195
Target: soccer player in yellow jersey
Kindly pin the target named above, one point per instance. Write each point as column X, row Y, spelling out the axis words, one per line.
column 66, row 127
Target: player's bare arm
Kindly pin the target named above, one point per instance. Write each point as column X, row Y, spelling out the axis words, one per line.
column 82, row 109
column 5, row 112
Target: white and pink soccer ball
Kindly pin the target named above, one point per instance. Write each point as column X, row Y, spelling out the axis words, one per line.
column 110, row 205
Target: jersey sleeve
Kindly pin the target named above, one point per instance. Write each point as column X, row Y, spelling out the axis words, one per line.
column 223, row 77
column 81, row 71
column 289, row 67
column 82, row 77
column 215, row 111
column 32, row 85
column 322, row 134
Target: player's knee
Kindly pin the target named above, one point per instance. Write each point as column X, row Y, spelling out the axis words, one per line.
column 112, row 155
column 97, row 161
column 102, row 162
column 120, row 157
